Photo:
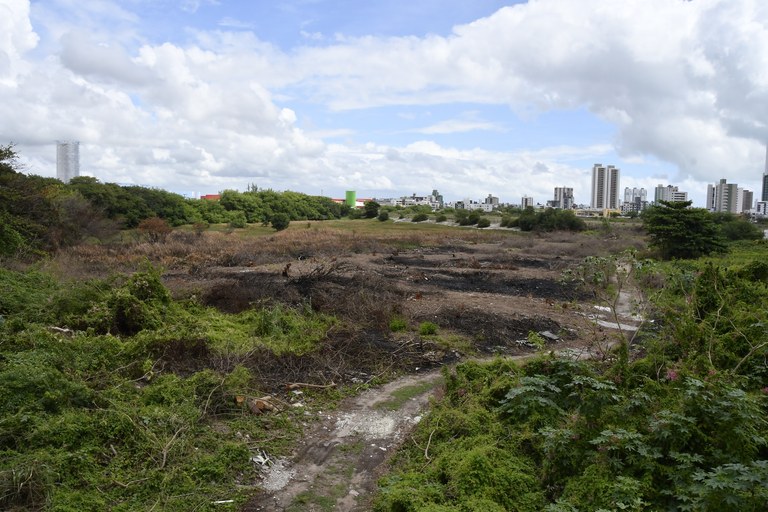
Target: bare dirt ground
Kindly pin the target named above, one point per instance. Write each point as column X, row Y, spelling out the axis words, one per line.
column 485, row 297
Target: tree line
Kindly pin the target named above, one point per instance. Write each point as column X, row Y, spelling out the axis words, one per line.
column 39, row 214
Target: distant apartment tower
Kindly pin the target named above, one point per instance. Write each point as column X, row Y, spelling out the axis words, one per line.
column 670, row 194
column 747, row 199
column 67, row 160
column 631, row 195
column 563, row 198
column 728, row 197
column 605, row 187
column 635, row 200
column 526, row 202
column 764, row 196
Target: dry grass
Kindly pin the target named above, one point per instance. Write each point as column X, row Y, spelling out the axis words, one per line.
column 189, row 252
column 184, row 249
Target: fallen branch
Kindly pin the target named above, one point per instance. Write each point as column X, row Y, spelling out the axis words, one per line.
column 429, row 441
column 297, row 385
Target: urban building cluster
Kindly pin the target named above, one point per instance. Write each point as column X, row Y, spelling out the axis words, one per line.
column 605, row 197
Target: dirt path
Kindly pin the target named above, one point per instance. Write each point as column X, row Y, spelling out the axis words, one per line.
column 336, row 467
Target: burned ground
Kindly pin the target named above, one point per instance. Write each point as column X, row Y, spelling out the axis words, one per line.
column 484, row 297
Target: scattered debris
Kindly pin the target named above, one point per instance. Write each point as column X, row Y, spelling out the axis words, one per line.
column 261, row 405
column 549, row 336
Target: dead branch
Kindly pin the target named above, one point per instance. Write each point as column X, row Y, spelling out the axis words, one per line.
column 297, row 385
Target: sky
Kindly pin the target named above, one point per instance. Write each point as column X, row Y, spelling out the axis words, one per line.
column 390, row 98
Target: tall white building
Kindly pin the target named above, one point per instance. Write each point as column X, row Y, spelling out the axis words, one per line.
column 563, row 198
column 670, row 194
column 726, row 197
column 67, row 160
column 605, row 187
column 635, row 200
column 526, row 202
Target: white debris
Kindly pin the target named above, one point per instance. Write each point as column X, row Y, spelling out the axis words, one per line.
column 277, row 476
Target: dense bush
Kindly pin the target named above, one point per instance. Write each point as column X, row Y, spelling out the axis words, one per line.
column 550, row 219
column 280, row 221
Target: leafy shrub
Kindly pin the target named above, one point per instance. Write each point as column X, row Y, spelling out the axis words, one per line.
column 397, row 324
column 427, row 328
column 441, row 218
column 420, row 217
column 483, row 222
column 383, row 216
column 551, row 219
column 280, row 221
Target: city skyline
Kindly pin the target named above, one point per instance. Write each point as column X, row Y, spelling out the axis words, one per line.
column 385, row 98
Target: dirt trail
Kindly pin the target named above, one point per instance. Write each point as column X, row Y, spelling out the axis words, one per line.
column 337, row 465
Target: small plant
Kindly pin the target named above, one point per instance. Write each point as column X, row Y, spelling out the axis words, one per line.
column 441, row 218
column 398, row 324
column 427, row 328
column 483, row 222
column 536, row 339
column 420, row 217
column 383, row 216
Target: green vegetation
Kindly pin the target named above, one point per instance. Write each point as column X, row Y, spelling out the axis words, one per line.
column 550, row 219
column 427, row 328
column 90, row 420
column 681, row 425
column 420, row 217
column 678, row 231
column 371, row 209
column 467, row 217
column 398, row 323
column 280, row 221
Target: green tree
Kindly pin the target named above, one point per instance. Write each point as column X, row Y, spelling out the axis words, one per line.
column 735, row 227
column 280, row 221
column 371, row 209
column 678, row 231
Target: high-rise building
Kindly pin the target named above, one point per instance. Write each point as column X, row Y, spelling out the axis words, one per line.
column 725, row 197
column 67, row 160
column 747, row 198
column 605, row 187
column 635, row 200
column 563, row 198
column 526, row 202
column 764, row 196
column 669, row 193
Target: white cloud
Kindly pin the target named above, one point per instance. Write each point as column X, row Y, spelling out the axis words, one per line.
column 458, row 126
column 684, row 82
column 16, row 38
